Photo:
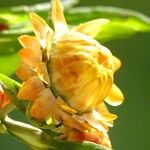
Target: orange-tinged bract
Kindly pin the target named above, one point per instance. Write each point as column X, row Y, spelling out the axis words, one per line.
column 4, row 98
column 68, row 76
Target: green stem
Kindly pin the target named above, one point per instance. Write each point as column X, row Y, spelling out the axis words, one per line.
column 6, row 110
column 32, row 136
column 3, row 113
column 39, row 140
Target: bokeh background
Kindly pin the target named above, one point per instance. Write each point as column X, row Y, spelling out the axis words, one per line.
column 132, row 129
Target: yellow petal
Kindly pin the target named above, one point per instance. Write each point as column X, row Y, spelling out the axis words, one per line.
column 95, row 122
column 29, row 42
column 115, row 96
column 117, row 63
column 71, row 75
column 43, row 73
column 61, row 104
column 43, row 105
column 58, row 16
column 101, row 113
column 24, row 72
column 106, row 141
column 102, row 110
column 31, row 89
column 31, row 57
column 41, row 28
column 48, row 44
column 1, row 89
column 91, row 28
column 70, row 121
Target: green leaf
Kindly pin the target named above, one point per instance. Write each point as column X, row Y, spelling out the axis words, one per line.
column 11, row 87
column 8, row 46
column 123, row 22
column 40, row 140
column 10, row 84
column 66, row 145
column 9, row 63
column 17, row 19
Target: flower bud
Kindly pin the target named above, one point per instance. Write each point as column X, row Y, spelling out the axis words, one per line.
column 67, row 76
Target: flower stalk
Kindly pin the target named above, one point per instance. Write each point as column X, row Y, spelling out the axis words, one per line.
column 34, row 137
column 37, row 139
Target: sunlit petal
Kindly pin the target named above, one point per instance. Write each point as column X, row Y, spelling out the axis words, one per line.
column 101, row 113
column 29, row 42
column 58, row 17
column 48, row 45
column 41, row 28
column 94, row 122
column 31, row 57
column 31, row 89
column 43, row 73
column 91, row 28
column 43, row 105
column 117, row 63
column 106, row 141
column 24, row 72
column 115, row 97
column 61, row 104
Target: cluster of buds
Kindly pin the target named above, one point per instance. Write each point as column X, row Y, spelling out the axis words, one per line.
column 68, row 77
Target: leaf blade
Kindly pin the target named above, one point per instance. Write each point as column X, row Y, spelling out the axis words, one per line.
column 11, row 87
column 9, row 63
column 123, row 22
column 67, row 145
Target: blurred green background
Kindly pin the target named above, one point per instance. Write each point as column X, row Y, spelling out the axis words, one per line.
column 132, row 129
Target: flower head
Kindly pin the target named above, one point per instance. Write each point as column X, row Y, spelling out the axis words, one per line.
column 68, row 76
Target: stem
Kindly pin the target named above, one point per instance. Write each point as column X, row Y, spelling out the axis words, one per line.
column 2, row 128
column 34, row 137
column 3, row 113
column 6, row 110
column 38, row 140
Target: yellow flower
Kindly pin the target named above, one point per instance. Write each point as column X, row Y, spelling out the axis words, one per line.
column 68, row 76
